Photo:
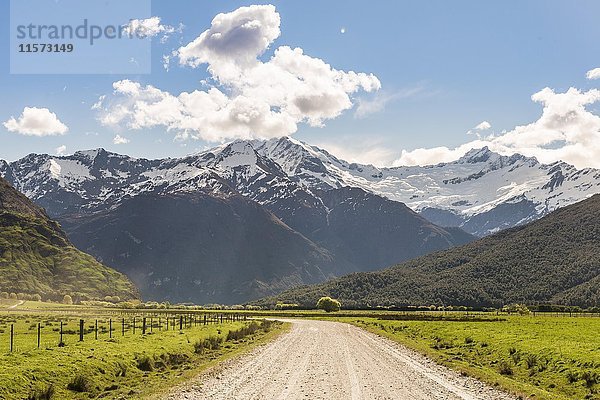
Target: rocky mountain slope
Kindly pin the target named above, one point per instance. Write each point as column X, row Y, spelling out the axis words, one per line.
column 483, row 192
column 342, row 229
column 37, row 258
column 552, row 260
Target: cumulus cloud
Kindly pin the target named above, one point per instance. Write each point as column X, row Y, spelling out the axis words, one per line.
column 593, row 74
column 565, row 131
column 150, row 27
column 483, row 126
column 61, row 150
column 118, row 139
column 35, row 121
column 250, row 98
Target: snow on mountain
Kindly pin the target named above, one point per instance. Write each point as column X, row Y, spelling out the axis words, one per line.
column 481, row 192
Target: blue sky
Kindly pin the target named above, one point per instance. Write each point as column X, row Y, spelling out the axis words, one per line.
column 444, row 67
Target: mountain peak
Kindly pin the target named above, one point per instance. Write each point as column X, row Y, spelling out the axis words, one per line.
column 474, row 156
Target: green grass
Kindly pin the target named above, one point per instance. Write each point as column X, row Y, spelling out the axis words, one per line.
column 541, row 357
column 130, row 366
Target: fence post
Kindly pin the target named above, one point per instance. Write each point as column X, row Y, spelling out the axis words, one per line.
column 134, row 325
column 204, row 319
column 96, row 330
column 110, row 328
column 144, row 326
column 151, row 324
column 61, row 334
column 39, row 334
column 180, row 322
column 81, row 322
column 12, row 334
column 159, row 324
column 123, row 327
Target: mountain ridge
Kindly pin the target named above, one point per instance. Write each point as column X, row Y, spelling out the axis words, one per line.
column 551, row 260
column 482, row 192
column 36, row 257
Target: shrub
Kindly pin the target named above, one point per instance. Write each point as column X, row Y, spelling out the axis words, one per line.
column 328, row 304
column 67, row 299
column 505, row 368
column 36, row 297
column 4, row 295
column 531, row 360
column 12, row 296
column 80, row 383
column 121, row 369
column 572, row 376
column 210, row 343
column 45, row 393
column 590, row 378
column 145, row 363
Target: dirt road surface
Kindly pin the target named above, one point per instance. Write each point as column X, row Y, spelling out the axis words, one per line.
column 333, row 361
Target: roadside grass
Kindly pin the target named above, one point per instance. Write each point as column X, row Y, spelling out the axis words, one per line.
column 121, row 367
column 541, row 357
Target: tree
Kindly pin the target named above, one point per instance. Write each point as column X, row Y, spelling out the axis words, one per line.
column 4, row 295
column 12, row 296
column 67, row 299
column 36, row 297
column 328, row 304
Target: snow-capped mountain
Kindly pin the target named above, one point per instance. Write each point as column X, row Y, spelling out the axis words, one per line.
column 229, row 224
column 482, row 192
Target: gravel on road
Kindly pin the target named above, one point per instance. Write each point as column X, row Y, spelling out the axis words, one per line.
column 333, row 361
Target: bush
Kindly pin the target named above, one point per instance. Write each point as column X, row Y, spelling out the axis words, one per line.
column 328, row 304
column 572, row 376
column 210, row 343
column 4, row 295
column 145, row 363
column 590, row 378
column 80, row 383
column 42, row 393
column 121, row 369
column 505, row 368
column 67, row 299
column 531, row 360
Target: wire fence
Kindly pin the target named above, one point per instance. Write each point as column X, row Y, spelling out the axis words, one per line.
column 35, row 332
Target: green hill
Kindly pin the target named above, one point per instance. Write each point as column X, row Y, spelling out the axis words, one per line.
column 553, row 260
column 37, row 257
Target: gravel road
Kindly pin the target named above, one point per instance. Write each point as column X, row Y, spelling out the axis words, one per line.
column 333, row 361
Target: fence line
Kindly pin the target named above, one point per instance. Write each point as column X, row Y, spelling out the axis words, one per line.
column 148, row 324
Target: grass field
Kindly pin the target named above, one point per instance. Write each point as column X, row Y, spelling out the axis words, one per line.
column 122, row 367
column 541, row 357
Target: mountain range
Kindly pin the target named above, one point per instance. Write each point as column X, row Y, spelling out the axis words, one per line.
column 553, row 260
column 187, row 229
column 36, row 257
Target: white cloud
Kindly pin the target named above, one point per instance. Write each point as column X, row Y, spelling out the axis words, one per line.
column 35, row 121
column 565, row 131
column 343, row 30
column 250, row 98
column 150, row 27
column 483, row 126
column 593, row 74
column 368, row 150
column 61, row 150
column 118, row 139
column 379, row 101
